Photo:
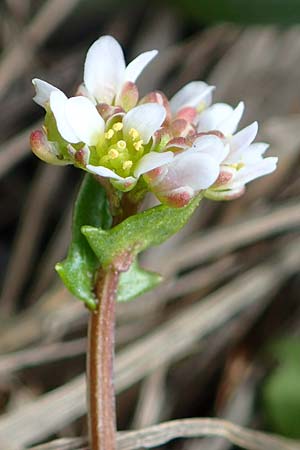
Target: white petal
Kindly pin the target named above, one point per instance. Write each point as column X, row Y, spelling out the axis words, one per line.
column 84, row 119
column 229, row 124
column 254, row 171
column 82, row 90
column 146, row 119
column 192, row 94
column 151, row 161
column 254, row 153
column 240, row 141
column 211, row 145
column 134, row 69
column 104, row 69
column 42, row 91
column 103, row 172
column 197, row 170
column 58, row 102
column 211, row 118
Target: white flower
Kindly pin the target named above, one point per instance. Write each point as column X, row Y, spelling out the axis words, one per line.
column 196, row 94
column 105, row 72
column 244, row 163
column 78, row 120
column 221, row 117
column 193, row 169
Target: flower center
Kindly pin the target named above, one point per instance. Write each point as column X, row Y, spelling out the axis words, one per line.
column 120, row 152
column 238, row 166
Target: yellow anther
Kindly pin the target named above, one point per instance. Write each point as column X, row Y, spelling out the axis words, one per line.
column 121, row 145
column 238, row 166
column 138, row 145
column 127, row 164
column 201, row 107
column 117, row 126
column 113, row 153
column 134, row 133
column 109, row 134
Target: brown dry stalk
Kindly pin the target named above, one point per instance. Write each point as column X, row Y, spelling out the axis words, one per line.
column 187, row 428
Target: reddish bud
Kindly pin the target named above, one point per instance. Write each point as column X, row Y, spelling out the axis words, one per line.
column 188, row 113
column 225, row 176
column 161, row 99
column 45, row 150
column 82, row 156
column 128, row 96
column 177, row 198
column 181, row 128
column 107, row 111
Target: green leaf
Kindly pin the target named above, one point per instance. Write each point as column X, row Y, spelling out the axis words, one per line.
column 280, row 391
column 283, row 12
column 286, row 350
column 281, row 401
column 78, row 269
column 138, row 232
column 135, row 282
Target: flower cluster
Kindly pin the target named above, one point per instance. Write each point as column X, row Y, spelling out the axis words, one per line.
column 173, row 148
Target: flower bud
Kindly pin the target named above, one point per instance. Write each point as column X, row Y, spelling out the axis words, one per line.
column 45, row 150
column 181, row 128
column 176, row 198
column 82, row 156
column 188, row 113
column 129, row 96
column 161, row 99
column 107, row 111
column 225, row 176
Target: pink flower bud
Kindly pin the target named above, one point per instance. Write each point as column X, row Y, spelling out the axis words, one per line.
column 82, row 156
column 45, row 150
column 177, row 145
column 155, row 176
column 188, row 113
column 161, row 99
column 181, row 128
column 128, row 96
column 177, row 198
column 107, row 111
column 225, row 176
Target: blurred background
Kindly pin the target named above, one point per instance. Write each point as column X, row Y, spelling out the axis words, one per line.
column 220, row 336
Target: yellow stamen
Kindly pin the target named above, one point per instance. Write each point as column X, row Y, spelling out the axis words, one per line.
column 238, row 166
column 138, row 145
column 127, row 164
column 117, row 126
column 201, row 107
column 109, row 134
column 134, row 133
column 113, row 153
column 121, row 145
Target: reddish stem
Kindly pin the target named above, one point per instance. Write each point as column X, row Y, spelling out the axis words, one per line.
column 100, row 364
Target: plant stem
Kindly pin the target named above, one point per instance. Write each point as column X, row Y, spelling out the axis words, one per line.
column 100, row 362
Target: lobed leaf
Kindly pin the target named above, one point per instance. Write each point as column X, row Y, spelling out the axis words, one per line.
column 138, row 232
column 135, row 282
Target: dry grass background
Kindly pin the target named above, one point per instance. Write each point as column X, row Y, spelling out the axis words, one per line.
column 193, row 346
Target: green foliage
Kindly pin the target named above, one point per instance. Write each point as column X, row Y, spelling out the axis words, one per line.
column 281, row 393
column 242, row 11
column 135, row 282
column 78, row 269
column 138, row 232
column 94, row 244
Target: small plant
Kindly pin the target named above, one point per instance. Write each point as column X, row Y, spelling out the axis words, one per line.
column 181, row 150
